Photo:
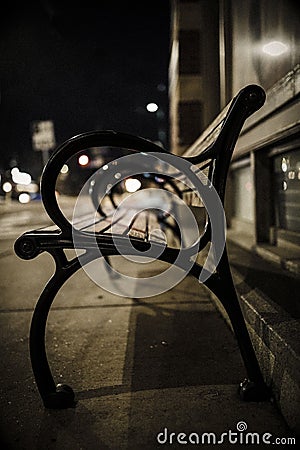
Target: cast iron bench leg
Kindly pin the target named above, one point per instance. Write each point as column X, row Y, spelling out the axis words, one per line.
column 60, row 396
column 253, row 388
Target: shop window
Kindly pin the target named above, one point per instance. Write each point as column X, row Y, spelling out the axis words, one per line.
column 287, row 191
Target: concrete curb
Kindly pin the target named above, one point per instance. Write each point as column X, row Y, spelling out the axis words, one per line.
column 274, row 335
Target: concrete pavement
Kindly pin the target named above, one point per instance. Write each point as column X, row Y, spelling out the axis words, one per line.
column 139, row 367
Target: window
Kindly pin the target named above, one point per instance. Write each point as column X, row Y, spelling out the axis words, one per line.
column 287, row 190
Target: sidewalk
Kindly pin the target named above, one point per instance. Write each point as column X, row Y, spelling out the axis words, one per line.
column 138, row 367
column 268, row 296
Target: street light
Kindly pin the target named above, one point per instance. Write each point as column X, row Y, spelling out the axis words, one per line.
column 7, row 187
column 275, row 48
column 83, row 160
column 132, row 184
column 152, row 107
column 20, row 177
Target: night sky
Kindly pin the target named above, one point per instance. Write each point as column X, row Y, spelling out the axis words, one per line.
column 84, row 67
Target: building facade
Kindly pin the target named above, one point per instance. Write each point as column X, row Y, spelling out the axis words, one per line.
column 218, row 47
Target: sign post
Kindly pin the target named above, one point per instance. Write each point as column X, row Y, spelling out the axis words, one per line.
column 43, row 137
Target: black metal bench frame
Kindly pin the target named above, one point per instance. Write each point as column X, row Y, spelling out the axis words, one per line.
column 214, row 154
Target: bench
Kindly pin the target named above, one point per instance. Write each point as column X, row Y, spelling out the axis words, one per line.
column 133, row 228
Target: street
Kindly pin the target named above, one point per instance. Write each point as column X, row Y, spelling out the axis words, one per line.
column 137, row 366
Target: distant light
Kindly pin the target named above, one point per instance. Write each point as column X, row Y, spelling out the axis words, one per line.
column 64, row 169
column 7, row 187
column 32, row 188
column 132, row 184
column 83, row 160
column 20, row 177
column 152, row 107
column 24, row 198
column 275, row 48
column 14, row 171
column 161, row 87
column 284, row 164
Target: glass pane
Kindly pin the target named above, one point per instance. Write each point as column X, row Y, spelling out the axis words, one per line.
column 287, row 190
